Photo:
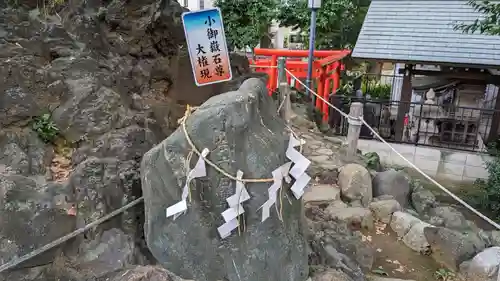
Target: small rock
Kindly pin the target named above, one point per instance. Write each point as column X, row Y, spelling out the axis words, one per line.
column 320, row 194
column 113, row 251
column 402, row 222
column 384, row 209
column 472, row 226
column 483, row 267
column 355, row 183
column 334, row 245
column 320, row 159
column 331, row 275
column 378, row 278
column 494, row 237
column 143, row 273
column 423, row 200
column 393, row 183
column 383, row 197
column 415, row 238
column 338, row 204
column 436, row 221
column 325, row 151
column 450, row 247
column 356, row 217
column 452, row 217
column 411, row 212
column 356, row 203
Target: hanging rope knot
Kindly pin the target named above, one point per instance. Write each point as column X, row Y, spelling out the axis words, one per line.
column 187, row 113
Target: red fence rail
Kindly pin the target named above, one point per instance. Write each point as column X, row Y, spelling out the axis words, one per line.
column 326, row 70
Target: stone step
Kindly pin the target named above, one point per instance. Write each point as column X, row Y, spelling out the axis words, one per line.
column 321, row 193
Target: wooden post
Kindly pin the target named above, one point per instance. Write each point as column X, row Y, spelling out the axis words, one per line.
column 284, row 91
column 404, row 103
column 355, row 112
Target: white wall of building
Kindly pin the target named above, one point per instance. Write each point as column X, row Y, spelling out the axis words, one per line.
column 194, row 5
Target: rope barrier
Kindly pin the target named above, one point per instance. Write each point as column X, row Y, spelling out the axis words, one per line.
column 458, row 199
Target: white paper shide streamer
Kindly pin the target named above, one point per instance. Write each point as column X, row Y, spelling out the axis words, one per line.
column 298, row 171
column 278, row 176
column 235, row 208
column 198, row 171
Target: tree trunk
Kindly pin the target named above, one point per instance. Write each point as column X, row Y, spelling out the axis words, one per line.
column 265, row 41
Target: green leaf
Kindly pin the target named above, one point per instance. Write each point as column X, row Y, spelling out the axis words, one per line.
column 338, row 21
column 380, row 271
column 489, row 24
column 246, row 21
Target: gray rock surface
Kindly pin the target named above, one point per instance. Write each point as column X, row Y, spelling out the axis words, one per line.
column 423, row 200
column 321, row 194
column 450, row 247
column 331, row 275
column 415, row 238
column 142, row 273
column 335, row 246
column 402, row 222
column 242, row 131
column 383, row 209
column 355, row 184
column 491, row 238
column 114, row 77
column 355, row 217
column 452, row 218
column 113, row 251
column 483, row 267
column 23, row 152
column 102, row 185
column 393, row 183
column 30, row 217
column 378, row 278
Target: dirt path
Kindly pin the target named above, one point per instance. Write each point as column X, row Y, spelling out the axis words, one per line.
column 396, row 259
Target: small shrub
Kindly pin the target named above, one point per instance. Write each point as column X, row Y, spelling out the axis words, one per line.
column 487, row 194
column 372, row 160
column 444, row 274
column 45, row 127
column 377, row 90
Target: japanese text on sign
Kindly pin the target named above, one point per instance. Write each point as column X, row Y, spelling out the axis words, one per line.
column 207, row 46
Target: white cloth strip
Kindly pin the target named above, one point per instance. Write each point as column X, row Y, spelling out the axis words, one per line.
column 235, row 209
column 300, row 165
column 278, row 176
column 198, row 171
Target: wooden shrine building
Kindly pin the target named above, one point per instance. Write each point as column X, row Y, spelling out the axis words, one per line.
column 420, row 35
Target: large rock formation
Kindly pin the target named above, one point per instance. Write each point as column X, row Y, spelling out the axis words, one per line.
column 113, row 77
column 242, row 131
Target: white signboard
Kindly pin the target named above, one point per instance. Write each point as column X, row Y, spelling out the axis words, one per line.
column 207, row 46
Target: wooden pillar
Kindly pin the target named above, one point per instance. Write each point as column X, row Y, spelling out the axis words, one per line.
column 404, row 104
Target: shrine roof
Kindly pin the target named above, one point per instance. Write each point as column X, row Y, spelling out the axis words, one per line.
column 422, row 31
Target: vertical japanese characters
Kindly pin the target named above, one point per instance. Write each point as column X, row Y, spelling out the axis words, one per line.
column 212, row 53
column 207, row 47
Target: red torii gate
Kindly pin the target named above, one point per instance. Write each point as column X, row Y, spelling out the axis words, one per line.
column 326, row 70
